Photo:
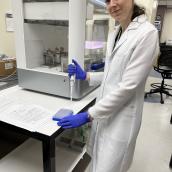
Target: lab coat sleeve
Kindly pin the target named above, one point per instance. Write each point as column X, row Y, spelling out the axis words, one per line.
column 136, row 72
column 95, row 78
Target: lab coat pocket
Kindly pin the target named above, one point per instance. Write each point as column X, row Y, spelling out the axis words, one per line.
column 120, row 59
column 129, row 111
column 116, row 66
column 119, row 127
column 117, row 59
column 113, row 154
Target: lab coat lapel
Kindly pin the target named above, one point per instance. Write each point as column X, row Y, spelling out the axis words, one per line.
column 121, row 41
column 112, row 39
column 133, row 25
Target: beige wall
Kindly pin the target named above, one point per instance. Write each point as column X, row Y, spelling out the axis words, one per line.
column 167, row 26
column 7, row 45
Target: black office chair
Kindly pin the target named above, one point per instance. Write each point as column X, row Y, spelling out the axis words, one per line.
column 164, row 67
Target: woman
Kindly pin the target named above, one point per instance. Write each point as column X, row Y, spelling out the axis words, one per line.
column 117, row 114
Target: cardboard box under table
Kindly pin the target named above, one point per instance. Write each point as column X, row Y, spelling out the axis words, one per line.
column 7, row 67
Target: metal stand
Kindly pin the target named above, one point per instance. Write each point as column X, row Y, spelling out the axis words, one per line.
column 49, row 155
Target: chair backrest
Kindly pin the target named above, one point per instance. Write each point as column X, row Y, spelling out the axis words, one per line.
column 164, row 62
column 165, row 58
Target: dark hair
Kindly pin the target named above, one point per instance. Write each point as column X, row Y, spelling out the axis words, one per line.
column 137, row 11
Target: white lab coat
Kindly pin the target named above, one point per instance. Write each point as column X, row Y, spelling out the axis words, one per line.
column 118, row 111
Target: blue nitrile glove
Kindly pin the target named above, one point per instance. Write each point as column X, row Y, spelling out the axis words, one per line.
column 74, row 121
column 76, row 70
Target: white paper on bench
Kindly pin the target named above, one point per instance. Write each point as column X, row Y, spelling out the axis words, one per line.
column 31, row 117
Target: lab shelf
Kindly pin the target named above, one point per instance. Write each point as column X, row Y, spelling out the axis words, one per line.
column 28, row 158
column 46, row 10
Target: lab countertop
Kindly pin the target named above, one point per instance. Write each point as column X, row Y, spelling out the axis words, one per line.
column 49, row 102
column 28, row 156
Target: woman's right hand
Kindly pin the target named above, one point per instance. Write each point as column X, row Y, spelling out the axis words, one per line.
column 75, row 69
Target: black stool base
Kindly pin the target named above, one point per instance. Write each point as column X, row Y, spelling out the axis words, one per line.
column 159, row 88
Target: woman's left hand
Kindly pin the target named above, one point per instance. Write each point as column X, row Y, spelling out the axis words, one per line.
column 74, row 121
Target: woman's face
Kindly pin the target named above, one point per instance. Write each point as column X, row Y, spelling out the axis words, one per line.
column 120, row 10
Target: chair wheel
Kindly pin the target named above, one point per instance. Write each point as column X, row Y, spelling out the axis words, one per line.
column 170, row 164
column 146, row 95
column 162, row 102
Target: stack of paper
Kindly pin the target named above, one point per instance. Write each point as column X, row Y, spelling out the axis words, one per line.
column 30, row 117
